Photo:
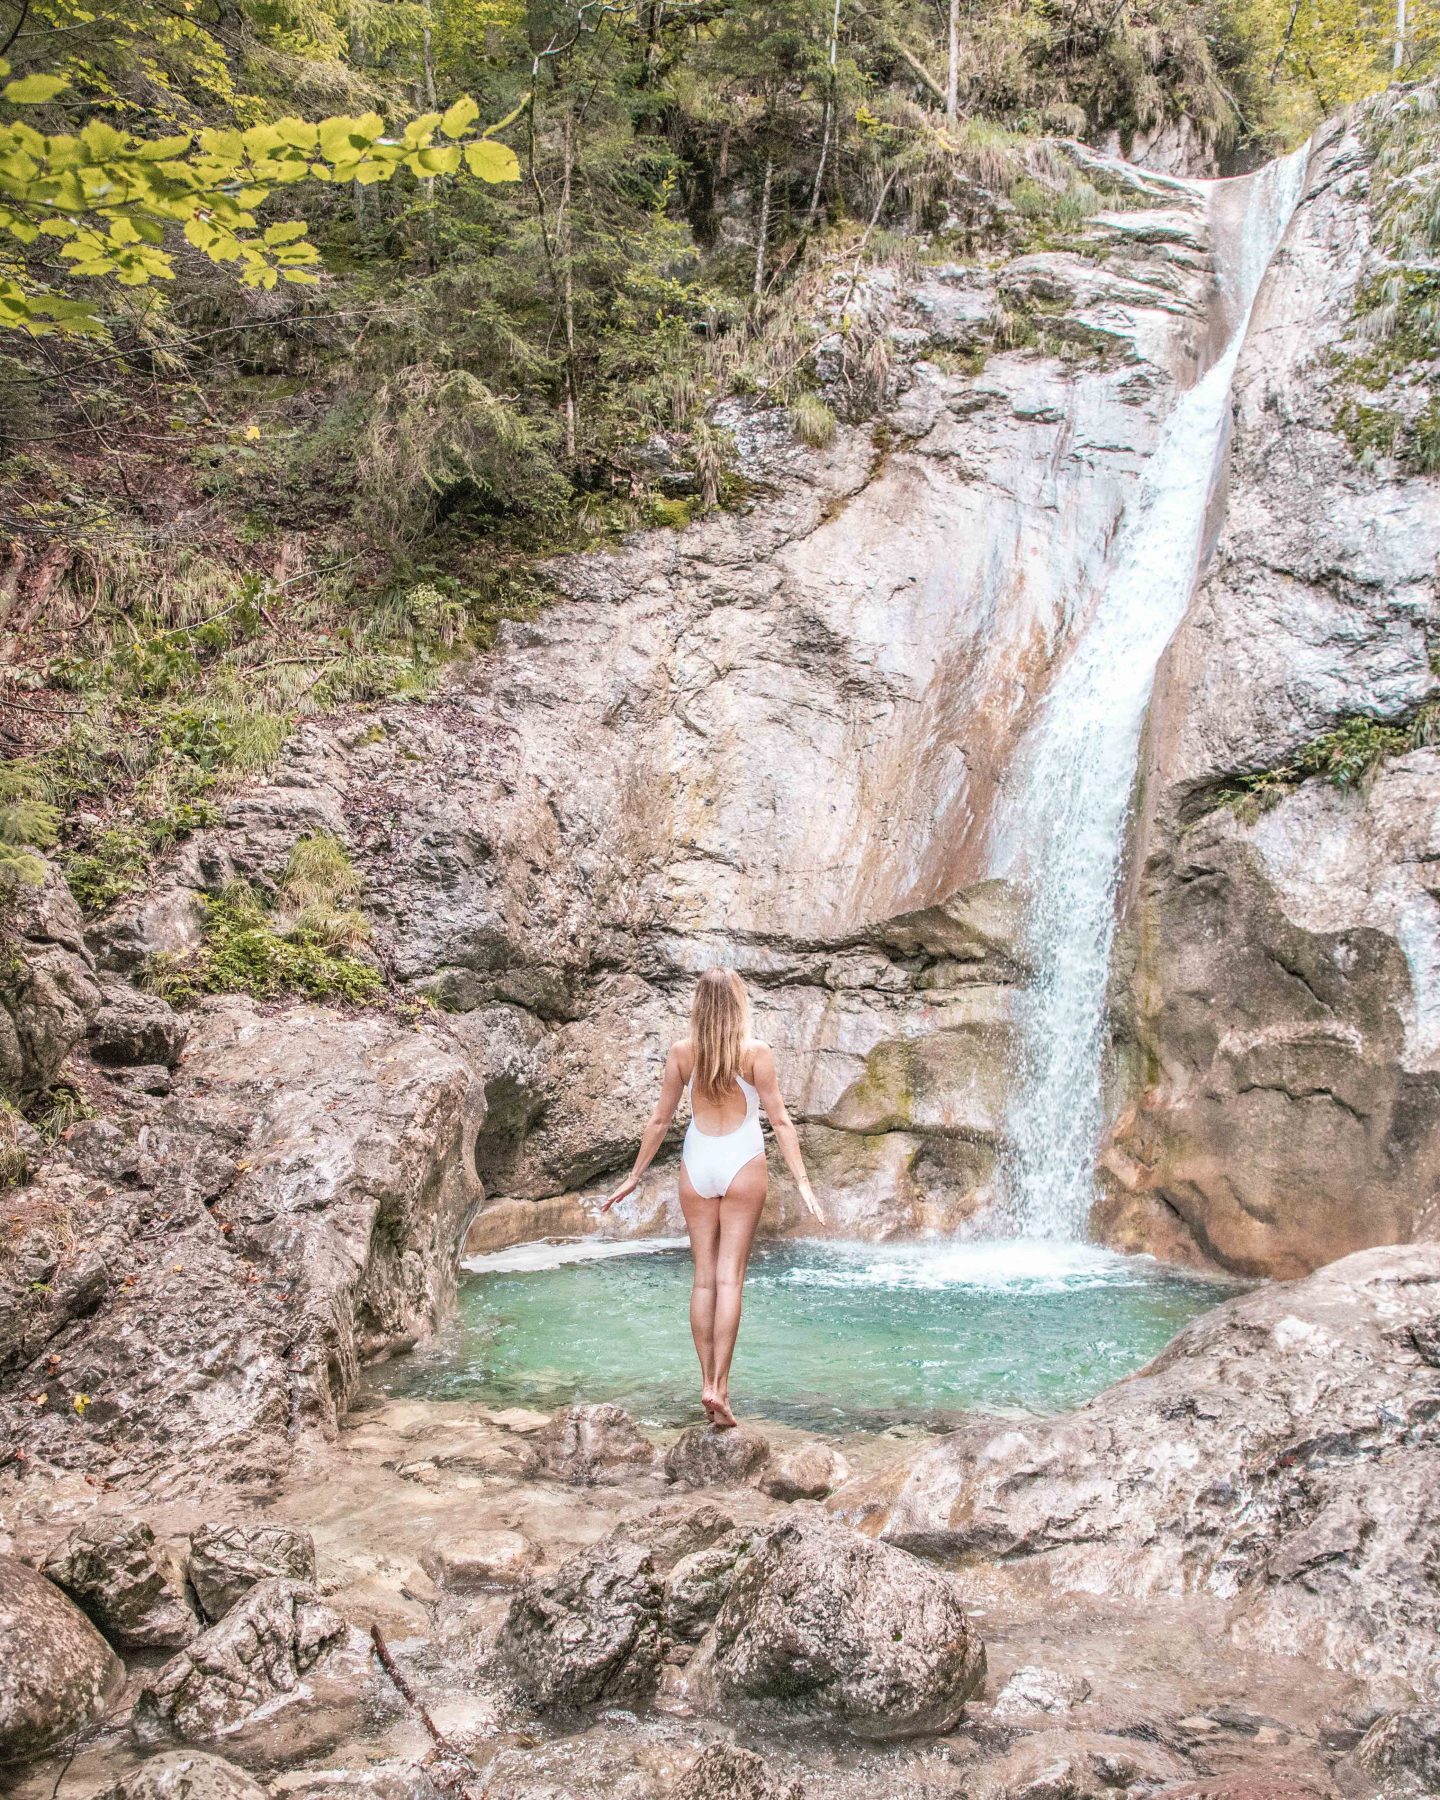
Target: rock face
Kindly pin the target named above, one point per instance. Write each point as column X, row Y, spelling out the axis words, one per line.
column 57, row 1674
column 214, row 1267
column 850, row 657
column 1276, row 980
column 593, row 1445
column 226, row 1561
column 1398, row 1757
column 132, row 1588
column 256, row 1656
column 726, row 1772
column 821, row 1625
column 1282, row 1454
column 48, row 990
column 135, row 1027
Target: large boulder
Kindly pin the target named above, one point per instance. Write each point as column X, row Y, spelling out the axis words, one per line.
column 727, row 1772
column 57, row 1674
column 809, row 1471
column 1397, row 1759
column 257, row 1656
column 132, row 1587
column 594, row 1446
column 705, row 1457
column 823, row 1625
column 1280, row 1455
column 226, row 1561
column 185, row 1775
column 48, row 990
column 589, row 1632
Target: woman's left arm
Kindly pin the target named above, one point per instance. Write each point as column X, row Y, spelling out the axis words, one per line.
column 671, row 1087
column 767, row 1085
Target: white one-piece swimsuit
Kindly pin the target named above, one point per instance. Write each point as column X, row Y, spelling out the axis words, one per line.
column 713, row 1159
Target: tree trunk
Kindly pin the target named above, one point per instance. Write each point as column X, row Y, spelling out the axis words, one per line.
column 1399, row 35
column 428, row 102
column 952, row 77
column 815, row 191
column 764, row 232
column 567, row 282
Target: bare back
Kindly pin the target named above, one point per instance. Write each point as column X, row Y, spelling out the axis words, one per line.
column 714, row 1116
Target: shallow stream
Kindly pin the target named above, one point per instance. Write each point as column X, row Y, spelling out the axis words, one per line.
column 835, row 1337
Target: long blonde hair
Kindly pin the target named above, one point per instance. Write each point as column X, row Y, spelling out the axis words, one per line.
column 719, row 1025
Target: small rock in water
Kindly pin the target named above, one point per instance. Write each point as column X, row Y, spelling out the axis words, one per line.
column 257, row 1654
column 186, row 1775
column 57, row 1673
column 226, row 1561
column 808, row 1472
column 824, row 1625
column 704, row 1457
column 726, row 1772
column 589, row 1632
column 1035, row 1690
column 133, row 1589
column 1084, row 1765
column 483, row 1559
column 593, row 1446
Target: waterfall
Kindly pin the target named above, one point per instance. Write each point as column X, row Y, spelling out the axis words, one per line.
column 1064, row 823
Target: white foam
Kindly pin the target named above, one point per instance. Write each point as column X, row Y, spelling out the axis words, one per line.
column 1034, row 1266
column 553, row 1253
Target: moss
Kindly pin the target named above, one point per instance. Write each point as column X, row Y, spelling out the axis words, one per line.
column 246, row 950
column 674, row 514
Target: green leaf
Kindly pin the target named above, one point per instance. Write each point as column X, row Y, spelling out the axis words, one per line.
column 35, row 90
column 286, row 232
column 491, row 161
column 460, row 117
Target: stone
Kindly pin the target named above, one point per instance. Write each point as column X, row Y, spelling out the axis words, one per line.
column 593, row 1446
column 810, row 1471
column 48, row 990
column 481, row 1559
column 728, row 1772
column 823, row 1626
column 256, row 1656
column 1397, row 1759
column 1278, row 1455
column 590, row 1632
column 1034, row 1690
column 57, row 1675
column 1078, row 1765
column 131, row 1587
column 185, row 1775
column 227, row 1560
column 704, row 1457
column 676, row 1529
column 134, row 1028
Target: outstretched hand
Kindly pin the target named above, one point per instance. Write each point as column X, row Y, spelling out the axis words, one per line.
column 628, row 1186
column 812, row 1205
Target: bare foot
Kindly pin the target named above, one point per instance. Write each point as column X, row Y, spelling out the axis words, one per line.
column 709, row 1402
column 721, row 1416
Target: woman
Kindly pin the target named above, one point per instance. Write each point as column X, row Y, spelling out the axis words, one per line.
column 723, row 1178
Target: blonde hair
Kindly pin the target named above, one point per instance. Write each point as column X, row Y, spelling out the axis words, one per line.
column 719, row 1024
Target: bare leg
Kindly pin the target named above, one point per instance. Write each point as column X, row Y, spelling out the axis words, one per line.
column 740, row 1210
column 702, row 1221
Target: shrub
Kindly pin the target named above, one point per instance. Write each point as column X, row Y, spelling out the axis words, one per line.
column 813, row 421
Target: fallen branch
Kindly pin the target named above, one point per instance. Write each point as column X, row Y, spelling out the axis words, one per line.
column 455, row 1767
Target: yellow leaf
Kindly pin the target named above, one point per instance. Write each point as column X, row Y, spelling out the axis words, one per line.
column 80, row 1402
column 252, row 432
column 35, row 90
column 460, row 117
column 492, row 161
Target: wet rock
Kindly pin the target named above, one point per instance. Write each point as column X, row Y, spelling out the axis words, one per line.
column 808, row 1472
column 48, row 990
column 587, row 1633
column 57, row 1673
column 130, row 1586
column 698, row 1586
column 482, row 1559
column 1034, row 1690
column 226, row 1561
column 1279, row 1455
column 726, row 1772
column 135, row 1028
column 185, row 1775
column 593, row 1446
column 676, row 1529
column 1397, row 1759
column 821, row 1624
column 705, row 1457
column 255, row 1657
column 1075, row 1765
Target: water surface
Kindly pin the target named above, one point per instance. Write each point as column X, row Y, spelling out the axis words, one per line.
column 835, row 1336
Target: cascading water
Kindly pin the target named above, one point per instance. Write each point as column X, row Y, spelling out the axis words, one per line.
column 1064, row 826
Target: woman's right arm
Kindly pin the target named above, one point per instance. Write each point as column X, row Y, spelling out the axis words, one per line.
column 767, row 1085
column 671, row 1087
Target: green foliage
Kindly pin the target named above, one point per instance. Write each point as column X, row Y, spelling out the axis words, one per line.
column 1346, row 757
column 247, row 950
column 29, row 823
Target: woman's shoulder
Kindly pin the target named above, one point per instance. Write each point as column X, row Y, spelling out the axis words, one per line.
column 683, row 1052
column 757, row 1053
